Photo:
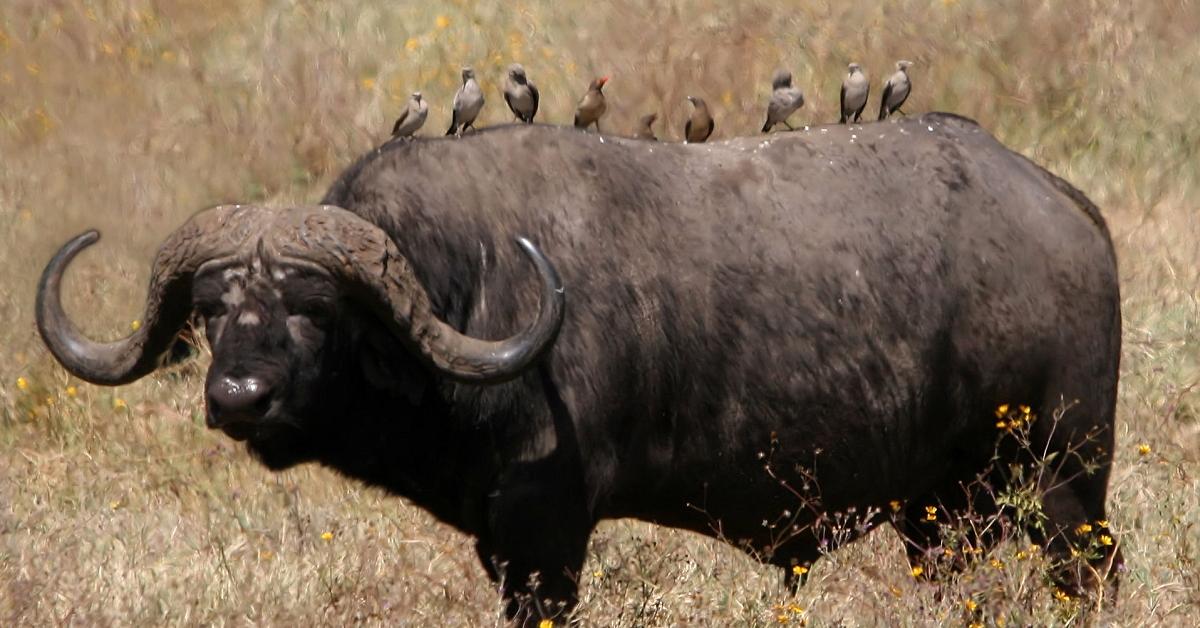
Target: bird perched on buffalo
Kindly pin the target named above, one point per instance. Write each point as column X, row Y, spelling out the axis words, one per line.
column 785, row 100
column 520, row 93
column 855, row 89
column 592, row 105
column 895, row 90
column 644, row 129
column 700, row 124
column 412, row 118
column 467, row 103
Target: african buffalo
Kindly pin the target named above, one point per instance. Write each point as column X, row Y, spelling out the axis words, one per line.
column 751, row 332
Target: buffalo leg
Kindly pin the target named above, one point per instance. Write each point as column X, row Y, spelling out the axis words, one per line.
column 969, row 508
column 535, row 546
column 1084, row 553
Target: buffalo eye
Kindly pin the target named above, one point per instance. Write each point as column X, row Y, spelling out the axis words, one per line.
column 318, row 311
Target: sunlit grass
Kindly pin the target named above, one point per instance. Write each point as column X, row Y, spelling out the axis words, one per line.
column 118, row 506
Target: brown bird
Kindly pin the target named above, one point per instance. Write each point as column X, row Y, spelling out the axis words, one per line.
column 412, row 117
column 895, row 90
column 700, row 124
column 521, row 94
column 467, row 103
column 855, row 90
column 785, row 100
column 592, row 105
column 643, row 130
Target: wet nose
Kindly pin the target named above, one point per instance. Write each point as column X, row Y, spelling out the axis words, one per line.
column 237, row 400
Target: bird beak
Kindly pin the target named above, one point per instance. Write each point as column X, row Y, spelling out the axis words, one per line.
column 603, row 80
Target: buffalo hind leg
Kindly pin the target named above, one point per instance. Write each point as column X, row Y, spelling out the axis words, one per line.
column 1073, row 483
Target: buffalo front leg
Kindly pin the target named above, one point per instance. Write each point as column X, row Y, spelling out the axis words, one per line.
column 534, row 549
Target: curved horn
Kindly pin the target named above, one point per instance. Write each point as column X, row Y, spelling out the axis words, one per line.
column 168, row 305
column 363, row 255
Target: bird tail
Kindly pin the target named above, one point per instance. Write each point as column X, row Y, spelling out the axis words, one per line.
column 577, row 125
column 450, row 131
column 883, row 112
column 842, row 120
column 767, row 126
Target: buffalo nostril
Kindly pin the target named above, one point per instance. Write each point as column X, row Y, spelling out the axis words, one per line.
column 238, row 399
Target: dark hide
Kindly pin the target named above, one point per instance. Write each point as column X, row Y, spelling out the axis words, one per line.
column 850, row 305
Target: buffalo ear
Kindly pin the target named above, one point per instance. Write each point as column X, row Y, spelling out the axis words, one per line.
column 385, row 366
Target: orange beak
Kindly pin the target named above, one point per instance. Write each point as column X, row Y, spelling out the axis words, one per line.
column 602, row 80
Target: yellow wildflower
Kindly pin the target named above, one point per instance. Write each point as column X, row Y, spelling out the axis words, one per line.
column 970, row 604
column 597, row 574
column 114, row 504
column 917, row 571
column 1084, row 528
column 1106, row 539
column 799, row 570
column 897, row 592
column 895, row 504
column 72, row 391
column 135, row 325
column 50, row 401
column 1024, row 409
column 412, row 44
column 442, row 22
column 974, row 624
column 781, row 618
column 1021, row 555
column 1001, row 425
column 1002, row 410
column 997, row 563
column 546, row 623
column 22, row 383
column 1103, row 523
column 119, row 404
column 326, row 536
column 931, row 513
column 368, row 83
column 795, row 608
column 1061, row 596
column 1143, row 449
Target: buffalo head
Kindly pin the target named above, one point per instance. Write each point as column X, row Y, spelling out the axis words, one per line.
column 291, row 300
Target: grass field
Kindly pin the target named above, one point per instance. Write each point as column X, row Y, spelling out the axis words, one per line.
column 118, row 506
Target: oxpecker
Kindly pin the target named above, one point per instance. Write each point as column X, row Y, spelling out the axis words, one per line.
column 412, row 117
column 895, row 90
column 644, row 130
column 520, row 94
column 700, row 124
column 855, row 89
column 785, row 100
column 592, row 105
column 467, row 103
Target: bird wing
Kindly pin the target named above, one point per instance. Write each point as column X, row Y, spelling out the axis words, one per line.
column 712, row 124
column 687, row 130
column 533, row 91
column 399, row 121
column 843, row 99
column 883, row 101
column 511, row 105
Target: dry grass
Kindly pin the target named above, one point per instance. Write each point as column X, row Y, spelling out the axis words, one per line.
column 117, row 506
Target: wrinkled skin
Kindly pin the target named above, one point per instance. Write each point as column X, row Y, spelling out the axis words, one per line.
column 815, row 324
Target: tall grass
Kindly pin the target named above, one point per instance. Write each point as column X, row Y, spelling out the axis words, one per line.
column 117, row 506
